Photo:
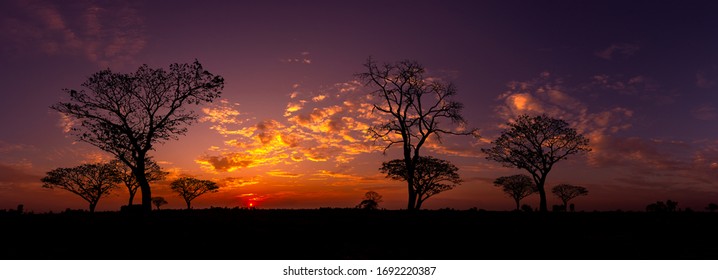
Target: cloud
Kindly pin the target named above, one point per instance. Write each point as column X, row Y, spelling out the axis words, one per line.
column 107, row 33
column 705, row 113
column 624, row 50
column 302, row 59
column 549, row 95
column 284, row 174
column 233, row 183
column 66, row 123
column 12, row 177
column 6, row 147
column 329, row 126
column 654, row 163
column 703, row 81
column 636, row 85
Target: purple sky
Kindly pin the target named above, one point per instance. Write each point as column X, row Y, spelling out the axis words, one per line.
column 639, row 78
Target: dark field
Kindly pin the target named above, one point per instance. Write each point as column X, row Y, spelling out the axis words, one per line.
column 241, row 234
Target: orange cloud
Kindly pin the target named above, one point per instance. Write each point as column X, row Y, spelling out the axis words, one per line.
column 284, row 174
column 330, row 127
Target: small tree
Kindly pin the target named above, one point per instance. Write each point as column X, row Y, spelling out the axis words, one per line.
column 190, row 188
column 416, row 109
column 158, row 201
column 671, row 205
column 535, row 144
column 371, row 201
column 431, row 176
column 567, row 192
column 89, row 181
column 712, row 207
column 517, row 187
column 659, row 206
column 153, row 172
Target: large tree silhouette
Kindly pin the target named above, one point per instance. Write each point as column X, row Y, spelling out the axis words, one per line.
column 567, row 192
column 190, row 188
column 517, row 187
column 128, row 114
column 89, row 181
column 535, row 144
column 431, row 176
column 153, row 172
column 415, row 107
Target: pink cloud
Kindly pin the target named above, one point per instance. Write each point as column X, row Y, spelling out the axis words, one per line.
column 110, row 35
column 618, row 49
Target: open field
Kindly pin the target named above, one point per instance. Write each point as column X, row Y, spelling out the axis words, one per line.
column 240, row 234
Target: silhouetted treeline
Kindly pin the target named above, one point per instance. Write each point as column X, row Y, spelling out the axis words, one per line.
column 331, row 233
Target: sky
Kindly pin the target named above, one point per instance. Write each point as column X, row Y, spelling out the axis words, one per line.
column 638, row 78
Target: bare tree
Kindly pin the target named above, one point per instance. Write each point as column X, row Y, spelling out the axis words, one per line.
column 431, row 176
column 128, row 114
column 567, row 192
column 190, row 188
column 535, row 144
column 416, row 108
column 153, row 172
column 371, row 201
column 517, row 187
column 158, row 201
column 89, row 181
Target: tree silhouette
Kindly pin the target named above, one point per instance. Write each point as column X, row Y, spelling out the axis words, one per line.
column 567, row 192
column 371, row 201
column 535, row 144
column 153, row 172
column 89, row 181
column 712, row 207
column 158, row 201
column 190, row 188
column 415, row 106
column 431, row 176
column 517, row 187
column 660, row 206
column 128, row 114
column 671, row 205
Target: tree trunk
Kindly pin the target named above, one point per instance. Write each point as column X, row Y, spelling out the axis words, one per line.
column 92, row 207
column 542, row 193
column 410, row 179
column 132, row 197
column 517, row 204
column 144, row 185
column 188, row 206
column 418, row 203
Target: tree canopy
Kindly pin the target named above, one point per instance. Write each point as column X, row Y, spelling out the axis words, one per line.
column 190, row 188
column 516, row 186
column 158, row 201
column 89, row 181
column 371, row 201
column 535, row 144
column 431, row 176
column 566, row 192
column 127, row 114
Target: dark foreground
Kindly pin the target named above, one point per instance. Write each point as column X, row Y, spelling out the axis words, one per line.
column 241, row 234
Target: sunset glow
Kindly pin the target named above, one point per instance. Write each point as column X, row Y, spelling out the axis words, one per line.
column 638, row 79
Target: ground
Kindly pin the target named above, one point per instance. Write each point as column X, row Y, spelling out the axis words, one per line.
column 319, row 234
